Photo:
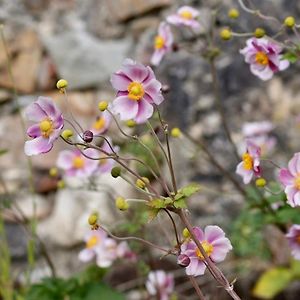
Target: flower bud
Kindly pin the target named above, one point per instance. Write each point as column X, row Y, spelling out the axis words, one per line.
column 142, row 183
column 186, row 233
column 259, row 32
column 289, row 22
column 53, row 172
column 61, row 84
column 93, row 219
column 233, row 13
column 102, row 105
column 130, row 123
column 260, row 182
column 175, row 132
column 122, row 204
column 61, row 184
column 67, row 133
column 183, row 260
column 88, row 136
column 225, row 34
column 115, row 172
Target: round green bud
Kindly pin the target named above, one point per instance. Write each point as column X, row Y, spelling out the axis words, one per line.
column 61, row 84
column 186, row 234
column 53, row 172
column 142, row 183
column 115, row 172
column 260, row 182
column 259, row 32
column 130, row 123
column 61, row 184
column 175, row 132
column 121, row 204
column 67, row 133
column 102, row 105
column 289, row 22
column 225, row 34
column 233, row 13
column 93, row 219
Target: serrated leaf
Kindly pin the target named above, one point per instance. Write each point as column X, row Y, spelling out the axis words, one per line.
column 180, row 203
column 178, row 196
column 272, row 282
column 190, row 189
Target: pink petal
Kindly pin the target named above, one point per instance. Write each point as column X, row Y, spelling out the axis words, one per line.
column 145, row 111
column 189, row 9
column 65, row 159
column 290, row 192
column 199, row 233
column 157, row 56
column 37, row 146
column 34, row 131
column 86, row 255
column 126, row 107
column 49, row 107
column 120, row 81
column 35, row 113
column 285, row 177
column 213, row 233
column 294, row 164
column 195, row 268
column 135, row 71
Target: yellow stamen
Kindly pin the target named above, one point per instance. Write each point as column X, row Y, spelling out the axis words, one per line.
column 159, row 42
column 186, row 15
column 297, row 182
column 99, row 123
column 136, row 91
column 248, row 161
column 261, row 58
column 208, row 248
column 92, row 242
column 78, row 162
column 46, row 127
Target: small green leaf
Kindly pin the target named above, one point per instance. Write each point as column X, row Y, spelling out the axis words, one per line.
column 295, row 268
column 180, row 203
column 157, row 203
column 292, row 57
column 190, row 189
column 152, row 213
column 3, row 151
column 272, row 282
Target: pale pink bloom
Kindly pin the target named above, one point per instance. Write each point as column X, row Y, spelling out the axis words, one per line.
column 250, row 165
column 293, row 237
column 123, row 251
column 137, row 91
column 160, row 283
column 185, row 16
column 290, row 178
column 49, row 123
column 74, row 163
column 106, row 164
column 215, row 244
column 162, row 43
column 101, row 124
column 264, row 57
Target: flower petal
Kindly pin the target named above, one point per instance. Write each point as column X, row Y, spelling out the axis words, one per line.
column 37, row 146
column 126, row 107
column 145, row 111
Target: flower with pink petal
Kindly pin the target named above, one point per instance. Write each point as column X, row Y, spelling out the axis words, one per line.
column 74, row 163
column 137, row 91
column 106, row 164
column 250, row 164
column 213, row 241
column 290, row 178
column 264, row 57
column 293, row 237
column 162, row 43
column 160, row 284
column 101, row 124
column 49, row 123
column 185, row 16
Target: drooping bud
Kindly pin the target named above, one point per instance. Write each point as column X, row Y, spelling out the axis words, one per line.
column 115, row 172
column 260, row 182
column 289, row 22
column 225, row 34
column 102, row 105
column 259, row 32
column 62, row 84
column 183, row 260
column 88, row 136
column 233, row 13
column 67, row 133
column 93, row 219
column 121, row 204
column 130, row 123
column 142, row 183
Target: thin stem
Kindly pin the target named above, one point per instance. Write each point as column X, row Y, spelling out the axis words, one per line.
column 196, row 287
column 174, row 226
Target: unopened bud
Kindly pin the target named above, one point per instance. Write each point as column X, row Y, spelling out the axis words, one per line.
column 233, row 13
column 175, row 132
column 289, row 22
column 93, row 219
column 186, row 234
column 88, row 136
column 260, row 182
column 61, row 84
column 142, row 183
column 183, row 260
column 67, row 133
column 61, row 184
column 102, row 105
column 53, row 172
column 225, row 34
column 130, row 123
column 115, row 172
column 259, row 32
column 122, row 204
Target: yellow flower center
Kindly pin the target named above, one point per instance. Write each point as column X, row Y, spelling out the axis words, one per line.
column 261, row 58
column 159, row 42
column 78, row 162
column 99, row 123
column 297, row 182
column 46, row 127
column 136, row 91
column 92, row 242
column 248, row 161
column 208, row 248
column 186, row 15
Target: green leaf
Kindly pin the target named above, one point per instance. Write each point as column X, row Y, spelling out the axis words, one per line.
column 291, row 56
column 152, row 213
column 96, row 291
column 288, row 214
column 190, row 189
column 3, row 151
column 272, row 282
column 180, row 203
column 295, row 268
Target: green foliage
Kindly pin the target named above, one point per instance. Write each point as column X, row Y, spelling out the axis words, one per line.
column 291, row 56
column 3, row 151
column 86, row 286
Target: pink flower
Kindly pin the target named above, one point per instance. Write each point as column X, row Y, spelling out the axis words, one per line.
column 106, row 164
column 290, row 178
column 76, row 164
column 101, row 124
column 49, row 121
column 293, row 237
column 250, row 164
column 264, row 57
column 185, row 16
column 162, row 43
column 137, row 91
column 215, row 244
column 160, row 283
